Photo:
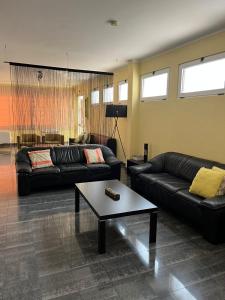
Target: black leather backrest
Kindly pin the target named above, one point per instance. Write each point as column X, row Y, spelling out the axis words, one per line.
column 191, row 166
column 219, row 165
column 184, row 166
column 67, row 155
column 105, row 150
column 22, row 155
column 174, row 162
column 157, row 163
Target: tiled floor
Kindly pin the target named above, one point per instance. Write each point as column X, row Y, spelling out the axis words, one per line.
column 42, row 256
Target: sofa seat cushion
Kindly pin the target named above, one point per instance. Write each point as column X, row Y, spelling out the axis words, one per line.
column 166, row 181
column 187, row 196
column 99, row 168
column 152, row 177
column 146, row 183
column 47, row 170
column 173, row 184
column 74, row 172
column 72, row 167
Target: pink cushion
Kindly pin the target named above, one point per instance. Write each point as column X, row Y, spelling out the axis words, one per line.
column 94, row 156
column 40, row 159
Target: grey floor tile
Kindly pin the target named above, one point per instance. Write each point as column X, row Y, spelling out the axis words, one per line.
column 103, row 293
column 57, row 285
column 133, row 288
column 22, row 290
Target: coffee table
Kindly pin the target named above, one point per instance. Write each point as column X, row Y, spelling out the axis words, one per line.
column 105, row 208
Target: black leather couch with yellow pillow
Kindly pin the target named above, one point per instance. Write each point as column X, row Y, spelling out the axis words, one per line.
column 69, row 167
column 165, row 180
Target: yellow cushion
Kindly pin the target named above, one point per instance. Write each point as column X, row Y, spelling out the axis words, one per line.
column 206, row 183
column 219, row 170
column 221, row 190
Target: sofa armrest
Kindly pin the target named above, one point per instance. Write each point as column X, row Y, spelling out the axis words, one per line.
column 213, row 219
column 143, row 168
column 112, row 161
column 214, row 203
column 23, row 167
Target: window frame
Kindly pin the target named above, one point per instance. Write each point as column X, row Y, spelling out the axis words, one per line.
column 119, row 84
column 96, row 103
column 197, row 62
column 153, row 73
column 103, row 94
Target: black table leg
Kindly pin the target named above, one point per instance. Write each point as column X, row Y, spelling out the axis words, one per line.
column 101, row 236
column 77, row 223
column 153, row 227
column 77, row 200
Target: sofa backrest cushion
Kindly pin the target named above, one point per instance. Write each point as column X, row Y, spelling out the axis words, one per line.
column 191, row 166
column 157, row 163
column 173, row 162
column 219, row 165
column 181, row 165
column 66, row 155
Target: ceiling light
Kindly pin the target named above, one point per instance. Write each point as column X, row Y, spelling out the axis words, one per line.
column 113, row 22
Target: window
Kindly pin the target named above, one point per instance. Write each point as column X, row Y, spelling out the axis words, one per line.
column 205, row 76
column 108, row 94
column 123, row 90
column 154, row 86
column 95, row 97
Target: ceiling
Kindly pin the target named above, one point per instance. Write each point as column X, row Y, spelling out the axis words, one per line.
column 74, row 33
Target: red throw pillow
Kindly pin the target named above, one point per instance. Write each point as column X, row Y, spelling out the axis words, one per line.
column 40, row 159
column 94, row 156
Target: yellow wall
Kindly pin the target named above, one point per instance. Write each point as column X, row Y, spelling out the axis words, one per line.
column 193, row 125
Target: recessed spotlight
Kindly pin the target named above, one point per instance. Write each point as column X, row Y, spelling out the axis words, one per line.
column 113, row 22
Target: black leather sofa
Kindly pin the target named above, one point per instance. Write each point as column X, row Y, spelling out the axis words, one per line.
column 165, row 181
column 69, row 167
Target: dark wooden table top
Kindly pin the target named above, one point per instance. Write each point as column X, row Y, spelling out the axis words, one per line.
column 130, row 203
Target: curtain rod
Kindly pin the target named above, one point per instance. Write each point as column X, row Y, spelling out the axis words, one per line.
column 57, row 68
